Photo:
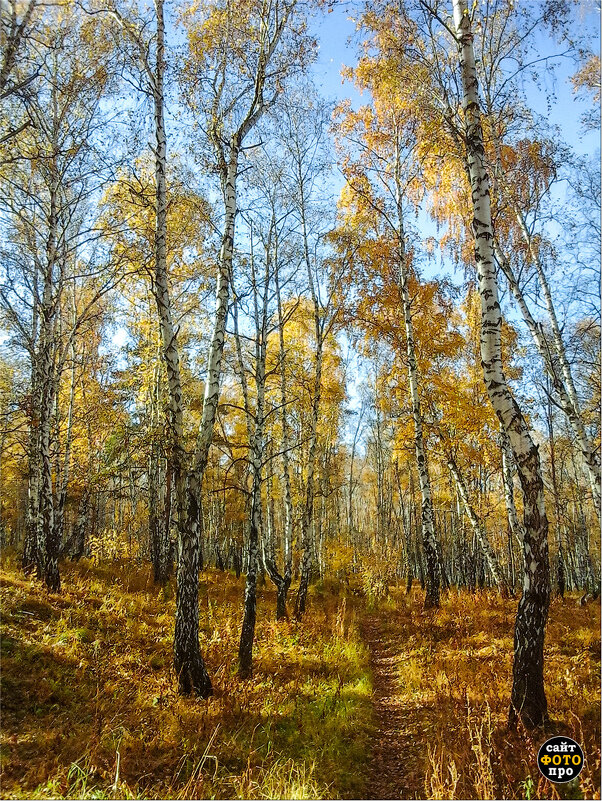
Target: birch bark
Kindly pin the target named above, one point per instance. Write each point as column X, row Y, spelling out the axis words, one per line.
column 559, row 527
column 187, row 470
column 255, row 432
column 282, row 590
column 429, row 540
column 307, row 515
column 30, row 557
column 245, row 651
column 188, row 661
column 47, row 547
column 227, row 156
column 282, row 580
column 528, row 699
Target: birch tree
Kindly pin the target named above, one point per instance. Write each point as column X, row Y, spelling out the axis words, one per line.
column 283, row 582
column 48, row 291
column 528, row 698
column 380, row 176
column 305, row 149
column 260, row 290
column 222, row 42
column 239, row 57
column 441, row 129
column 261, row 301
column 272, row 222
column 525, row 162
column 552, row 348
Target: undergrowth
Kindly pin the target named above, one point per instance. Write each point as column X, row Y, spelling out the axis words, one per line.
column 89, row 708
column 454, row 674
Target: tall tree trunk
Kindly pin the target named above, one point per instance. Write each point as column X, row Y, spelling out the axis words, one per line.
column 47, row 546
column 188, row 662
column 30, row 556
column 49, row 543
column 587, row 579
column 245, row 650
column 165, row 543
column 406, row 525
column 560, row 560
column 281, row 581
column 216, row 348
column 59, row 515
column 429, row 540
column 528, row 699
column 307, row 515
column 247, row 634
column 554, row 358
column 282, row 590
column 159, row 492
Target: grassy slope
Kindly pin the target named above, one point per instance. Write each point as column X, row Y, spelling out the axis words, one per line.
column 89, row 708
column 453, row 679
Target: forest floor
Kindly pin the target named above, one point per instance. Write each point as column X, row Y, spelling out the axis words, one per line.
column 360, row 700
column 441, row 683
column 398, row 746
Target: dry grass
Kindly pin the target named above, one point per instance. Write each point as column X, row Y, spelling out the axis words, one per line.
column 90, row 710
column 454, row 678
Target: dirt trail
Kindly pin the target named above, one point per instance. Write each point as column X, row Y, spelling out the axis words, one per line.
column 399, row 746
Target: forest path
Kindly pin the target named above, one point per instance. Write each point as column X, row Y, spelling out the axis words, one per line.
column 399, row 746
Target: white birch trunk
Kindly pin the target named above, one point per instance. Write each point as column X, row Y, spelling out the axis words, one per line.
column 188, row 662
column 245, row 650
column 216, row 349
column 308, row 506
column 30, row 559
column 282, row 580
column 429, row 539
column 286, row 473
column 47, row 547
column 528, row 698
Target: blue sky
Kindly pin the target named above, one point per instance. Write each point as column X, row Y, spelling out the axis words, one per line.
column 334, row 30
column 336, row 34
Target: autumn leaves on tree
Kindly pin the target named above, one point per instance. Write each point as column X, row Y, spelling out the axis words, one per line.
column 232, row 341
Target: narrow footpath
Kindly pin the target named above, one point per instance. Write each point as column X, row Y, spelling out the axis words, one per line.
column 399, row 748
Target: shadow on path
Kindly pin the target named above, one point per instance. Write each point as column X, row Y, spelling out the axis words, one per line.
column 399, row 749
